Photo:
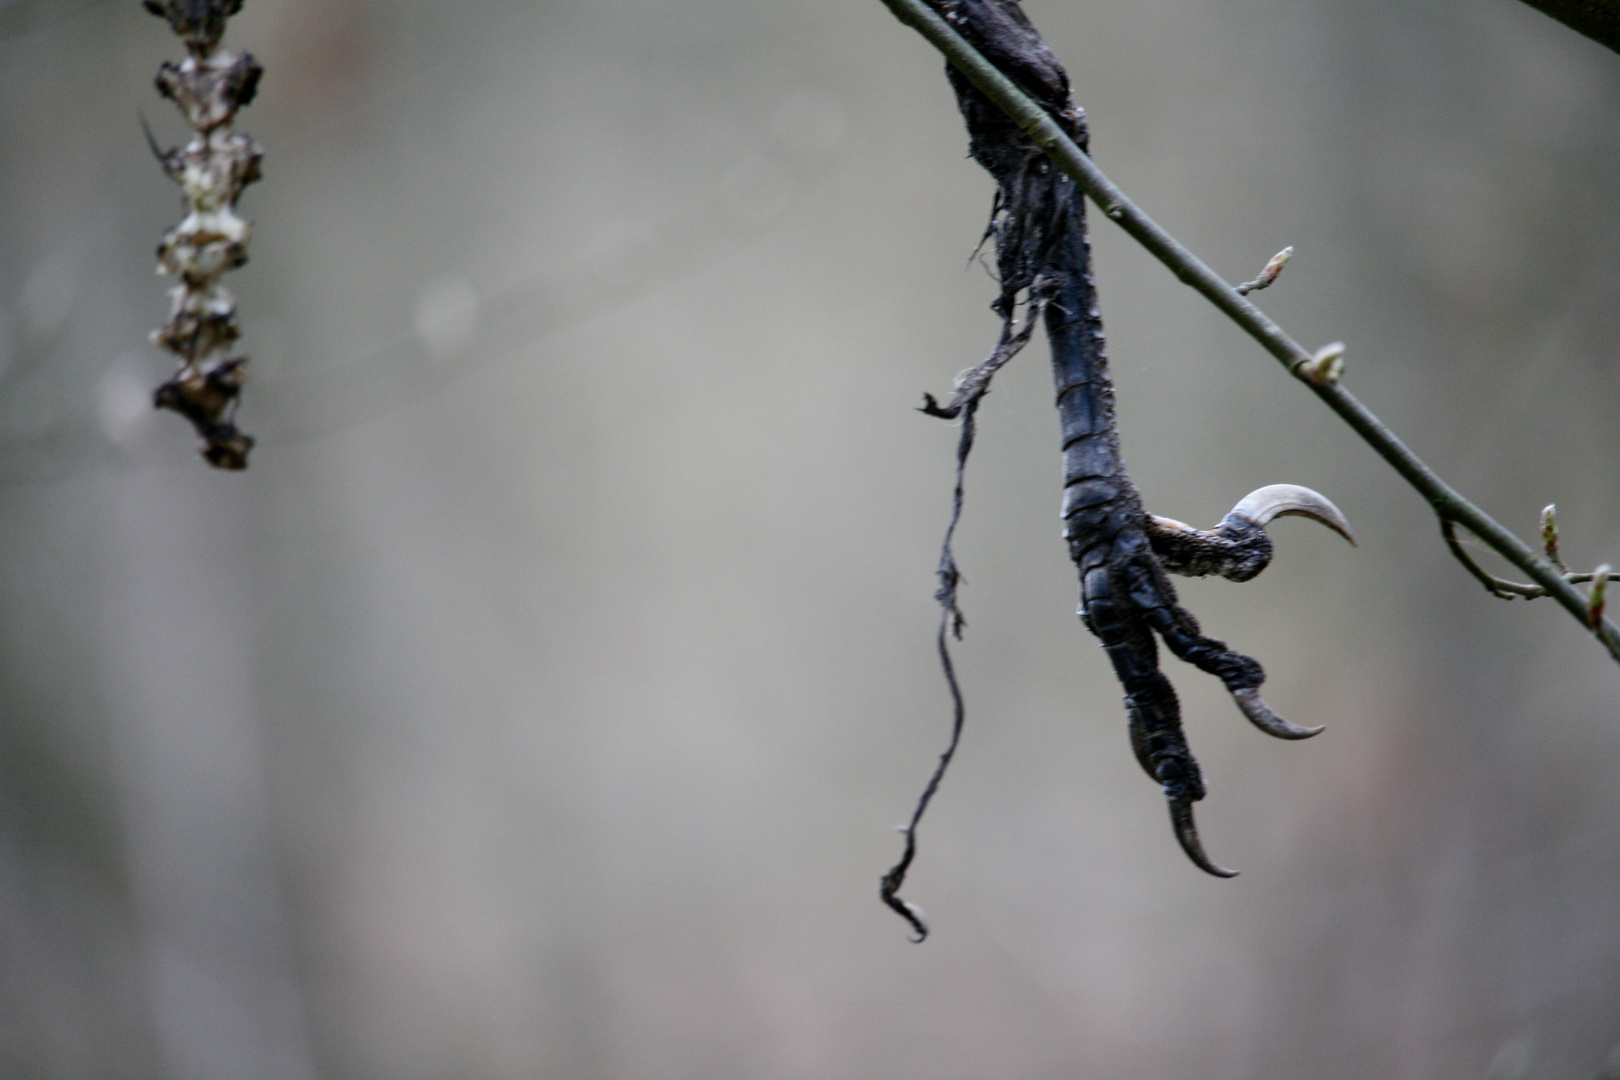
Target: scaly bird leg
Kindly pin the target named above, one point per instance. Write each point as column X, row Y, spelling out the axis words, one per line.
column 1123, row 554
column 1150, row 701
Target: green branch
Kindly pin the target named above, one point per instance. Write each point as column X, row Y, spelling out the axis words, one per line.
column 1319, row 372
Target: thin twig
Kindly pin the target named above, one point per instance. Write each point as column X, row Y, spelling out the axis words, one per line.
column 1494, row 585
column 1268, row 273
column 1501, row 587
column 1447, row 503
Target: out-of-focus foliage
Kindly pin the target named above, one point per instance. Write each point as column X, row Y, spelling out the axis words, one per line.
column 541, row 702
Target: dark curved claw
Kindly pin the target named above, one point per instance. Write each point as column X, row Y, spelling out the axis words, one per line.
column 1181, row 819
column 1261, row 716
column 1263, row 505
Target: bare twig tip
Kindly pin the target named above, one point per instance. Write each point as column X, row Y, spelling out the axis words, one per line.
column 1268, row 274
column 1549, row 535
column 1596, row 599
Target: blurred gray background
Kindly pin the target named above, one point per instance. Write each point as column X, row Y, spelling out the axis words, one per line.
column 542, row 701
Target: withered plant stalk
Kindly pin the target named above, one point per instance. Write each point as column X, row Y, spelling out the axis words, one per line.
column 208, row 86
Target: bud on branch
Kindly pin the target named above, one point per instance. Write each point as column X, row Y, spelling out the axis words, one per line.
column 1268, row 273
column 1326, row 365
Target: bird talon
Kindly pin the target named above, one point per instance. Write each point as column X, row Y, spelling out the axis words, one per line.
column 1261, row 716
column 1263, row 505
column 1181, row 819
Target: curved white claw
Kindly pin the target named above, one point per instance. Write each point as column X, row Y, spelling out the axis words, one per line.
column 1261, row 716
column 1263, row 505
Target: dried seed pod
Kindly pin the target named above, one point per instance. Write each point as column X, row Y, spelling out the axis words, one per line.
column 208, row 87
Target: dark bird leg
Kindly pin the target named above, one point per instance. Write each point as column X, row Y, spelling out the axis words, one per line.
column 1123, row 554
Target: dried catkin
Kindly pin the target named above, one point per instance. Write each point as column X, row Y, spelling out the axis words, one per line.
column 208, row 86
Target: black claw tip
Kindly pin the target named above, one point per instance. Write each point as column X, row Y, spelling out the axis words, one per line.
column 1181, row 819
column 907, row 911
column 932, row 407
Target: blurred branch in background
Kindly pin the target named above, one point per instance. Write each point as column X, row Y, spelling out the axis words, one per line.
column 1320, row 370
column 208, row 86
column 1597, row 19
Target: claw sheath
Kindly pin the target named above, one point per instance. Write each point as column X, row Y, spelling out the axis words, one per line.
column 1261, row 716
column 1263, row 505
